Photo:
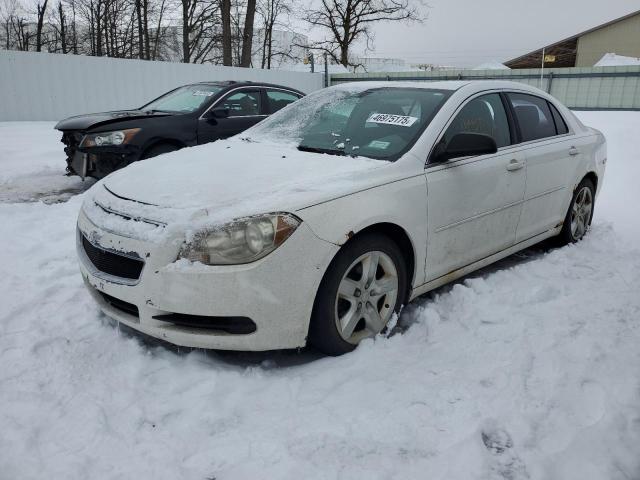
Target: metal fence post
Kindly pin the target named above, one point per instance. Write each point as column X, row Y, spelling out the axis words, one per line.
column 326, row 70
column 549, row 82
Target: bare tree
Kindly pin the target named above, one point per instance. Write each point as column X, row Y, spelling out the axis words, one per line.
column 198, row 35
column 347, row 21
column 271, row 13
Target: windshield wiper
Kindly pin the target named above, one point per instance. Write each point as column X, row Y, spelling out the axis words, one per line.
column 330, row 151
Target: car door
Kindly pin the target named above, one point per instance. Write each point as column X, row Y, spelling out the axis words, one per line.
column 245, row 108
column 552, row 156
column 474, row 203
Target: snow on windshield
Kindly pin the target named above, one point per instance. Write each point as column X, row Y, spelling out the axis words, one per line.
column 376, row 121
column 286, row 125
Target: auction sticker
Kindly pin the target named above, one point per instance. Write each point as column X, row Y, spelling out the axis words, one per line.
column 389, row 119
column 202, row 93
column 378, row 144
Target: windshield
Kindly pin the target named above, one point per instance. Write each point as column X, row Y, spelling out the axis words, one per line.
column 380, row 123
column 185, row 99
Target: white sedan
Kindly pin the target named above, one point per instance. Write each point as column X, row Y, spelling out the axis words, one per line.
column 320, row 223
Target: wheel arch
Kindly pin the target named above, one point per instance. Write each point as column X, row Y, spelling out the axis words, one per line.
column 161, row 141
column 402, row 239
column 591, row 175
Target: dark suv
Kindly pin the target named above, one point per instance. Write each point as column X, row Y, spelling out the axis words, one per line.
column 99, row 143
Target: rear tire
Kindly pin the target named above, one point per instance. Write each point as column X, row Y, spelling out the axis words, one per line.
column 159, row 149
column 365, row 284
column 578, row 218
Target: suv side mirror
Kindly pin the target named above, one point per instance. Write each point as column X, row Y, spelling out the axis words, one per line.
column 219, row 112
column 465, row 145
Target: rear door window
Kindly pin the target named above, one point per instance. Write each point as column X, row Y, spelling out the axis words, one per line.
column 278, row 99
column 484, row 115
column 533, row 115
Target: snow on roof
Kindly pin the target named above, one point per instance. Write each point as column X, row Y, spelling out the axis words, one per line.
column 611, row 60
column 493, row 65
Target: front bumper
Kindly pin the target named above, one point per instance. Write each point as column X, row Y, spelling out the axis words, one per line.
column 99, row 165
column 276, row 292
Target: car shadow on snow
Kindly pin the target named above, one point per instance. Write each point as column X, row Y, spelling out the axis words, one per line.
column 301, row 356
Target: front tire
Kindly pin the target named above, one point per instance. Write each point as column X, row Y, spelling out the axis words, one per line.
column 580, row 213
column 363, row 287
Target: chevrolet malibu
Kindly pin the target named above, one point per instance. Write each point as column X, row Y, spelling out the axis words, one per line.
column 320, row 223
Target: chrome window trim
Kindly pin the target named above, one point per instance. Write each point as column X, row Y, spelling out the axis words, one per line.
column 571, row 132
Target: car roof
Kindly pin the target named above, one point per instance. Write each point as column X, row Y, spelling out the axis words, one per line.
column 227, row 84
column 469, row 86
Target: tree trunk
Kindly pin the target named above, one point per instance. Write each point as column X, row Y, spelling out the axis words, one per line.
column 344, row 54
column 145, row 27
column 63, row 28
column 156, row 39
column 98, row 30
column 247, row 34
column 225, row 13
column 186, row 51
column 140, row 36
column 74, row 36
column 41, row 10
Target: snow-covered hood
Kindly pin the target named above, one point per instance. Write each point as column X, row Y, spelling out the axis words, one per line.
column 232, row 172
column 230, row 179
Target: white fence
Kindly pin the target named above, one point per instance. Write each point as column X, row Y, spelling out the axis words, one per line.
column 45, row 86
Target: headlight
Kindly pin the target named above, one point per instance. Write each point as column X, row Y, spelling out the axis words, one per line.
column 241, row 241
column 108, row 139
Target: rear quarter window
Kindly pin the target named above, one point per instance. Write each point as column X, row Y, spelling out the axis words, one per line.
column 561, row 125
column 279, row 99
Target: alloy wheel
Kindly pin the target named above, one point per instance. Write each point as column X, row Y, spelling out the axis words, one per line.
column 366, row 296
column 581, row 213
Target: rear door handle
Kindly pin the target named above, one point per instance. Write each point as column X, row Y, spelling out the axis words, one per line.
column 514, row 165
column 573, row 151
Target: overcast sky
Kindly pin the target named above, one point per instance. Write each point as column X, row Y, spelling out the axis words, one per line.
column 469, row 32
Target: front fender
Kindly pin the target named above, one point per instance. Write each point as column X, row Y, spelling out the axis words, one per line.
column 400, row 202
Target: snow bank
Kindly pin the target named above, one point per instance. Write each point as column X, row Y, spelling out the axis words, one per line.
column 611, row 60
column 494, row 65
column 529, row 369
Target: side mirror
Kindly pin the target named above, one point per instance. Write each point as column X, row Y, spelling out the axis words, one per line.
column 465, row 145
column 219, row 113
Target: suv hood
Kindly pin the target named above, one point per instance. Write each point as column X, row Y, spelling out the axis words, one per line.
column 234, row 178
column 84, row 122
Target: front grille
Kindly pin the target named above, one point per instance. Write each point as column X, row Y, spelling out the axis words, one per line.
column 121, row 305
column 112, row 263
column 72, row 141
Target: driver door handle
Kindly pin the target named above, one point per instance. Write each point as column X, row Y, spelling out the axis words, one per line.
column 514, row 165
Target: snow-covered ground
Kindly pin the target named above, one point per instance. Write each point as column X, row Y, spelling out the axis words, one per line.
column 528, row 369
column 32, row 164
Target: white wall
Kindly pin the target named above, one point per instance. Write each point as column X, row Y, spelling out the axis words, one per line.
column 47, row 86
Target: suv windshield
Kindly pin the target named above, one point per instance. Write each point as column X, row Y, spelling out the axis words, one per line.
column 380, row 123
column 185, row 99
